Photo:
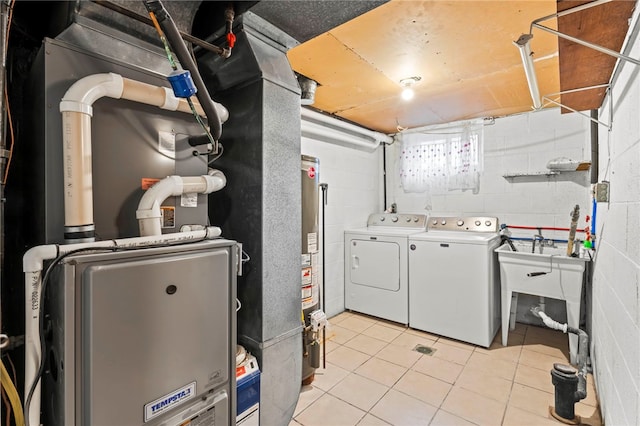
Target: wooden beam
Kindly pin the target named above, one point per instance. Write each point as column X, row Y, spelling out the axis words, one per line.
column 580, row 66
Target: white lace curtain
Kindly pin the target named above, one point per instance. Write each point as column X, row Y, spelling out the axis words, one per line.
column 441, row 160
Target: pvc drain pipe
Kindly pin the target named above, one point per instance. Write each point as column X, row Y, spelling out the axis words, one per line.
column 570, row 385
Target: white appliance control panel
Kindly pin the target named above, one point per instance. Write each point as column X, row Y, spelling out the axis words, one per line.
column 468, row 224
column 397, row 220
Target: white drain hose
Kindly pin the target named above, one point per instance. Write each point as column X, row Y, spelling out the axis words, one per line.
column 553, row 324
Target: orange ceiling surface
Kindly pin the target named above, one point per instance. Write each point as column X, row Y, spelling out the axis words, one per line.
column 462, row 50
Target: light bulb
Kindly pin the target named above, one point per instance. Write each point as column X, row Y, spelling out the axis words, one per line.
column 407, row 85
column 407, row 94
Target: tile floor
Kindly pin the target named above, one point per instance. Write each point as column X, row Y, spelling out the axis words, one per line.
column 374, row 377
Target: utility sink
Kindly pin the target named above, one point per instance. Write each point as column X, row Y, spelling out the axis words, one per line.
column 549, row 274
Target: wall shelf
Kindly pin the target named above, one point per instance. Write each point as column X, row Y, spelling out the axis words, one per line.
column 582, row 166
column 529, row 174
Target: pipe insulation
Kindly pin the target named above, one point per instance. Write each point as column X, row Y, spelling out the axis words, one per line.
column 77, row 110
column 149, row 214
column 322, row 127
column 32, row 266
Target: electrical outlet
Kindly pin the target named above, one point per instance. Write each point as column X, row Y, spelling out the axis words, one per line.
column 601, row 192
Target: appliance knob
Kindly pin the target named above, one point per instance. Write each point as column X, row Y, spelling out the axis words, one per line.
column 412, row 246
column 444, row 222
column 478, row 223
column 381, row 218
column 435, row 222
column 460, row 222
column 488, row 223
column 408, row 219
column 394, row 219
column 415, row 219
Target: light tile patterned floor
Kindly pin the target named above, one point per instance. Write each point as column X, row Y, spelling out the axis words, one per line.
column 374, row 377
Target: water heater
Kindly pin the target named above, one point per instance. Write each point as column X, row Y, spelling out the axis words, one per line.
column 310, row 262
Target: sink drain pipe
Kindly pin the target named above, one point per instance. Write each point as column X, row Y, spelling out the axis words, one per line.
column 570, row 384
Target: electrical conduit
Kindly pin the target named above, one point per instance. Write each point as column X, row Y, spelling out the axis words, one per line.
column 32, row 265
column 77, row 110
column 149, row 214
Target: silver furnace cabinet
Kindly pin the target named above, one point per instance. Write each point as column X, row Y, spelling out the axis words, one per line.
column 143, row 336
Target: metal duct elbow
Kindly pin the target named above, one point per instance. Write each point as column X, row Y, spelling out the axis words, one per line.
column 149, row 214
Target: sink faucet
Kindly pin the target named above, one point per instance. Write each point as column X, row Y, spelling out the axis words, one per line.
column 540, row 238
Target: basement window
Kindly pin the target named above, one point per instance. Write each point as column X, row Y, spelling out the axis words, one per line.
column 441, row 160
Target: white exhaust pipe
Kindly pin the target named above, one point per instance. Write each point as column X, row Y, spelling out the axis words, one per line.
column 77, row 109
column 149, row 214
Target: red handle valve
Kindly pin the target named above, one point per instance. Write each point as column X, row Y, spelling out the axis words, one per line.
column 231, row 40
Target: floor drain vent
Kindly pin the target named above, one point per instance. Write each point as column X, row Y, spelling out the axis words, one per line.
column 426, row 350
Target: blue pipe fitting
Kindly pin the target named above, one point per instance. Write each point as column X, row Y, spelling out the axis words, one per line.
column 182, row 84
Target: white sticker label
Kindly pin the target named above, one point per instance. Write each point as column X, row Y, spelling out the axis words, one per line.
column 170, row 400
column 306, row 260
column 306, row 276
column 189, row 200
column 168, row 216
column 167, row 143
column 312, row 242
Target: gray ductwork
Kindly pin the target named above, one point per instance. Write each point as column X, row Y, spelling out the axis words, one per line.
column 308, row 88
column 261, row 205
column 96, row 28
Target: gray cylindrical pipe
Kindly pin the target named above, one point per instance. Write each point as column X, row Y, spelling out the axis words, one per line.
column 594, row 146
column 581, row 361
column 308, row 88
column 177, row 44
column 564, row 382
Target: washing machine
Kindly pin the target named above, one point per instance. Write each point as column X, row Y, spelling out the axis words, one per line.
column 454, row 287
column 376, row 265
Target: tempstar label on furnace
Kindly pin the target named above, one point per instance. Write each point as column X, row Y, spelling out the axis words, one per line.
column 170, row 400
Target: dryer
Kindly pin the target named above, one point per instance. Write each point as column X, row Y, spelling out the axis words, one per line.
column 376, row 265
column 454, row 290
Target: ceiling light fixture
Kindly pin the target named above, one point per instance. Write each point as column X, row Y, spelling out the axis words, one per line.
column 407, row 84
column 529, row 70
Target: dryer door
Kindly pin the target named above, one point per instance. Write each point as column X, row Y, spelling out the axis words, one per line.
column 375, row 263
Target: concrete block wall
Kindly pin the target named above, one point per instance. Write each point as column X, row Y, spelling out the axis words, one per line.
column 516, row 144
column 353, row 176
column 616, row 278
